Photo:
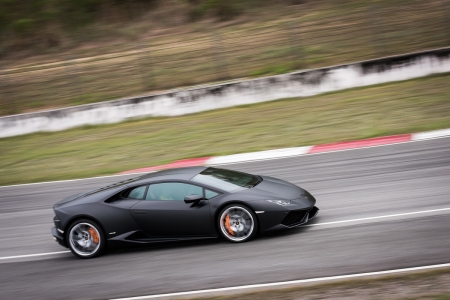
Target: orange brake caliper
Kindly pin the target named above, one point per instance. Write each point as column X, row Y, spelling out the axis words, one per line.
column 227, row 225
column 94, row 235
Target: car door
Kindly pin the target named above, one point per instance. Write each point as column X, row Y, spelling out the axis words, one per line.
column 163, row 212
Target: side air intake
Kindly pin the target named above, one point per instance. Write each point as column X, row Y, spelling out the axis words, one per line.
column 294, row 217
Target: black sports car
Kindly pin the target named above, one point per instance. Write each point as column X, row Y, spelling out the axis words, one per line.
column 179, row 204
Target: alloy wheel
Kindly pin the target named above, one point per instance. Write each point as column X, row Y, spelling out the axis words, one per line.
column 84, row 239
column 237, row 223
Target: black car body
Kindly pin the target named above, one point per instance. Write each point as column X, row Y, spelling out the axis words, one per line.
column 121, row 213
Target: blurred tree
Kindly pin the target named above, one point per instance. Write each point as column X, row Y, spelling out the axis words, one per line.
column 46, row 22
column 222, row 9
column 43, row 21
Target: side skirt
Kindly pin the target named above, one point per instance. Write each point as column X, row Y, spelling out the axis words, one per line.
column 138, row 237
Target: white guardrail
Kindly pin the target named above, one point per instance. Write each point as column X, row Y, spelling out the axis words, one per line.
column 207, row 97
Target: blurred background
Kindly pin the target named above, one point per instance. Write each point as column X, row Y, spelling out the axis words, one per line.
column 386, row 207
column 70, row 52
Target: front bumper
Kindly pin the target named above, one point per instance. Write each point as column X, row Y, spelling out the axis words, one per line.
column 278, row 220
column 58, row 237
column 297, row 218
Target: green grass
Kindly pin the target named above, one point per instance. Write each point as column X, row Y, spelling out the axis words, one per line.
column 160, row 51
column 422, row 285
column 402, row 107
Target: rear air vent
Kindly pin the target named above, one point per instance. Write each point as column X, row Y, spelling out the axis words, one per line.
column 294, row 217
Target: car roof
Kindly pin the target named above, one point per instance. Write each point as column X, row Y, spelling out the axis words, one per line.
column 180, row 173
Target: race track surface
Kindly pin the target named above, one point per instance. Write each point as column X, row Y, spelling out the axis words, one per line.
column 348, row 185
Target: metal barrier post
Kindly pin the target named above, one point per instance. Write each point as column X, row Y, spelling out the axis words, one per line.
column 372, row 11
column 78, row 81
column 152, row 81
column 6, row 86
column 446, row 11
column 74, row 70
column 219, row 55
column 138, row 62
column 3, row 85
column 69, row 75
column 296, row 45
column 4, row 90
column 140, row 68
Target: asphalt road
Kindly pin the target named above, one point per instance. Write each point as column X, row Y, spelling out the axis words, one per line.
column 348, row 185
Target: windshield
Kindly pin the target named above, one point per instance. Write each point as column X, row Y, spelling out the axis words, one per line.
column 226, row 180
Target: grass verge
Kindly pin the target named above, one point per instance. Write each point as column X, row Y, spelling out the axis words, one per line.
column 402, row 107
column 429, row 285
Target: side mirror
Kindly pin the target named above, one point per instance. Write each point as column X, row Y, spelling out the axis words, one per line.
column 193, row 198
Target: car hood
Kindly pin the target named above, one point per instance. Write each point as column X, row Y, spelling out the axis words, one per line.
column 275, row 189
column 283, row 190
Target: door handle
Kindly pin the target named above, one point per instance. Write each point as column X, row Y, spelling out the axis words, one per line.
column 140, row 212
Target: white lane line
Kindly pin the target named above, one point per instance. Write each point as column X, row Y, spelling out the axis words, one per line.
column 33, row 255
column 319, row 224
column 229, row 163
column 281, row 283
column 380, row 217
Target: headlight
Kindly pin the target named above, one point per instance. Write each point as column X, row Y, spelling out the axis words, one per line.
column 280, row 202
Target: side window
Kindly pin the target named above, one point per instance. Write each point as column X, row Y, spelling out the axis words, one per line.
column 172, row 191
column 210, row 194
column 137, row 193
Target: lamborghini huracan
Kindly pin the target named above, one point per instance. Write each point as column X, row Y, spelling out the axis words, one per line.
column 179, row 204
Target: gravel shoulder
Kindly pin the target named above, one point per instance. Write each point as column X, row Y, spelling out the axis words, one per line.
column 432, row 285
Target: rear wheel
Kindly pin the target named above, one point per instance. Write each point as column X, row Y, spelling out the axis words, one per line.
column 86, row 238
column 237, row 223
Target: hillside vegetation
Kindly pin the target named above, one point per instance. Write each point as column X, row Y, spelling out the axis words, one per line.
column 46, row 21
column 57, row 53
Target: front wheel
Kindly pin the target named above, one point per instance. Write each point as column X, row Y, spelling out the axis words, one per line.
column 86, row 239
column 237, row 223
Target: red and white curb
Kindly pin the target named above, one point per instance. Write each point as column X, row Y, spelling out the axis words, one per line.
column 296, row 151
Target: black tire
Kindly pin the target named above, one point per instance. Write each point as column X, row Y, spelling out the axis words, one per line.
column 238, row 228
column 85, row 231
